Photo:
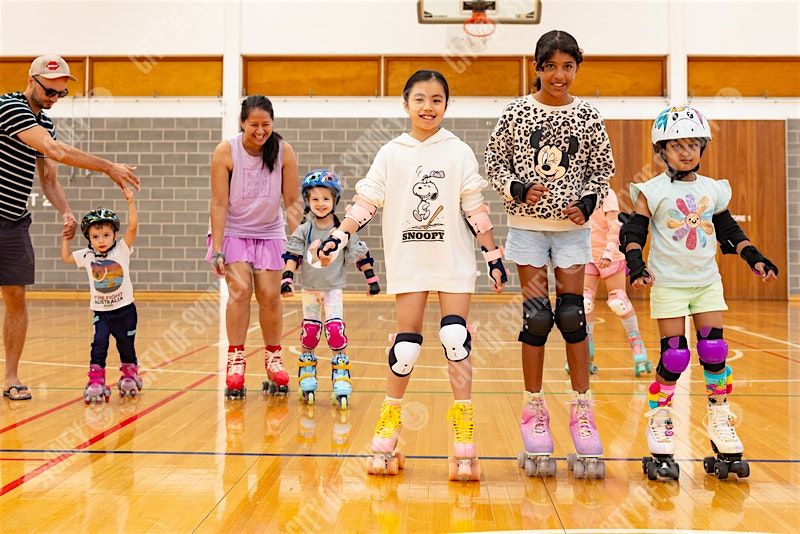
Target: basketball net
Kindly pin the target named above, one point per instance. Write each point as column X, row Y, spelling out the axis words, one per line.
column 479, row 25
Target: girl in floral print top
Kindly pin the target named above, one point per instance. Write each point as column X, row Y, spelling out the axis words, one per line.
column 687, row 213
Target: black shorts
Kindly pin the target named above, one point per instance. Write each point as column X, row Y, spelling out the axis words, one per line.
column 17, row 263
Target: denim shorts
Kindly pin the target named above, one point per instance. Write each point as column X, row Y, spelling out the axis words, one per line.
column 559, row 249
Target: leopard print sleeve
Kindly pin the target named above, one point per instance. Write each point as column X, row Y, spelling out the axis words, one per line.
column 600, row 164
column 499, row 155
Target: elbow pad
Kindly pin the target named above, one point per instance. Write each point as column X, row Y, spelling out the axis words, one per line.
column 360, row 211
column 478, row 219
column 729, row 233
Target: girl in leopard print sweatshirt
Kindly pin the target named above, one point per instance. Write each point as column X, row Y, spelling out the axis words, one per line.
column 550, row 159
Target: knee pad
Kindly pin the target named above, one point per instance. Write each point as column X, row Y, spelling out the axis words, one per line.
column 619, row 302
column 570, row 318
column 455, row 338
column 588, row 300
column 334, row 331
column 312, row 330
column 404, row 353
column 537, row 321
column 712, row 349
column 675, row 357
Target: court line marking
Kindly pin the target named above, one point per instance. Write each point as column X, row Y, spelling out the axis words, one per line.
column 348, row 455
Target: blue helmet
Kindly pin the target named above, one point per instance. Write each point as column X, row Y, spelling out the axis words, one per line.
column 321, row 178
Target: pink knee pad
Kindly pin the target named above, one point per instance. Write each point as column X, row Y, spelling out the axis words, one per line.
column 619, row 302
column 334, row 331
column 588, row 300
column 312, row 330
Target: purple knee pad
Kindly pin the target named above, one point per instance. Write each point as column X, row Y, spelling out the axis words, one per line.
column 312, row 330
column 334, row 331
column 675, row 358
column 712, row 349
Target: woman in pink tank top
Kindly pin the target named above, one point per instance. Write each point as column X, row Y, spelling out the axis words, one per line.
column 250, row 174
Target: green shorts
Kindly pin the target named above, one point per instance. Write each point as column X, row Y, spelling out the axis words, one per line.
column 668, row 302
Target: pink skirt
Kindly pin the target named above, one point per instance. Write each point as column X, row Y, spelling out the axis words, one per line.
column 616, row 266
column 261, row 254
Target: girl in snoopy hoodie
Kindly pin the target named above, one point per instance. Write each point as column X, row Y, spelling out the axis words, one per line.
column 428, row 184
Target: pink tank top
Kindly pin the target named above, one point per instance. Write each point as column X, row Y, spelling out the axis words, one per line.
column 254, row 198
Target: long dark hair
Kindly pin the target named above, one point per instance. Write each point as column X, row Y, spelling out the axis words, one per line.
column 269, row 154
column 424, row 76
column 552, row 42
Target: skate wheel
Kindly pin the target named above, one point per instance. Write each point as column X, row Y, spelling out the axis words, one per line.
column 600, row 471
column 571, row 458
column 708, row 464
column 741, row 469
column 593, row 369
column 393, row 466
column 648, row 366
column 530, row 467
column 521, row 460
column 721, row 470
column 651, row 470
column 578, row 469
column 310, row 398
column 343, row 402
column 475, row 470
column 636, row 370
column 677, row 472
column 401, row 459
column 370, row 467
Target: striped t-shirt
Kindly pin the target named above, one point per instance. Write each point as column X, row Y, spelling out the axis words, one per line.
column 17, row 160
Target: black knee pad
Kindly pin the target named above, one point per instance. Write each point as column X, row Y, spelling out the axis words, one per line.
column 537, row 321
column 570, row 318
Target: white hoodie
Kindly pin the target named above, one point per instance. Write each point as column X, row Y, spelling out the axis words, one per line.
column 423, row 188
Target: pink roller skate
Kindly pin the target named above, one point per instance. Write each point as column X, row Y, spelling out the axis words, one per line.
column 463, row 465
column 96, row 389
column 234, row 375
column 129, row 381
column 585, row 462
column 535, row 429
column 277, row 382
column 385, row 459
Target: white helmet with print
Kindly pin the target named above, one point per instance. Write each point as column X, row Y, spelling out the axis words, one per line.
column 680, row 123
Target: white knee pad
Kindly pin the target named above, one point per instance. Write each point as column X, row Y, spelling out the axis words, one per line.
column 404, row 353
column 619, row 302
column 588, row 300
column 455, row 338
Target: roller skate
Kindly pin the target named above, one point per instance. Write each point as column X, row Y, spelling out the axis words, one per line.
column 340, row 377
column 640, row 362
column 234, row 375
column 585, row 462
column 277, row 382
column 535, row 429
column 386, row 459
column 307, row 377
column 129, row 382
column 592, row 367
column 660, row 465
column 463, row 465
column 725, row 443
column 96, row 389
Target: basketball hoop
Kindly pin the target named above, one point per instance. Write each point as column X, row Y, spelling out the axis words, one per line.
column 479, row 25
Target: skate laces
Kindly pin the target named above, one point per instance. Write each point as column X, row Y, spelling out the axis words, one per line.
column 721, row 419
column 389, row 421
column 635, row 340
column 462, row 417
column 661, row 423
column 538, row 415
column 583, row 415
column 236, row 362
column 275, row 362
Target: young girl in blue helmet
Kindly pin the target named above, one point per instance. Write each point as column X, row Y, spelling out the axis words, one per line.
column 686, row 213
column 322, row 287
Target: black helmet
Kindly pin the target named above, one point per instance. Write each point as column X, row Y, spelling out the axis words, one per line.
column 100, row 215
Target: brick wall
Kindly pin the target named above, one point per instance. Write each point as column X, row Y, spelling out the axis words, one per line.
column 793, row 197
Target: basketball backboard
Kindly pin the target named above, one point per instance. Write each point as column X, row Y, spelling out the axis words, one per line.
column 459, row 11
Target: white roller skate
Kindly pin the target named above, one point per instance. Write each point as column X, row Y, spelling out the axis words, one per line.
column 725, row 443
column 96, row 389
column 234, row 375
column 661, row 465
column 464, row 464
column 585, row 462
column 386, row 459
column 535, row 429
column 130, row 384
column 640, row 362
column 307, row 377
column 340, row 378
column 277, row 382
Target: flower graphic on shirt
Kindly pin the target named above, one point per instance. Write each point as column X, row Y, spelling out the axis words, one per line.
column 688, row 218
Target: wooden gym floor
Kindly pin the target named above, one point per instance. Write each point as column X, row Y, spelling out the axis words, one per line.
column 180, row 458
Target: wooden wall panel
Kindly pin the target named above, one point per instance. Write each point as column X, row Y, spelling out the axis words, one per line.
column 312, row 76
column 751, row 155
column 483, row 76
column 616, row 76
column 190, row 76
column 14, row 74
column 744, row 76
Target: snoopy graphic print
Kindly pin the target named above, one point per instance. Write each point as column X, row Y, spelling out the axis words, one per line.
column 109, row 276
column 426, row 222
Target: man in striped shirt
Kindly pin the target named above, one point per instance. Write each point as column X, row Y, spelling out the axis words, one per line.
column 28, row 144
